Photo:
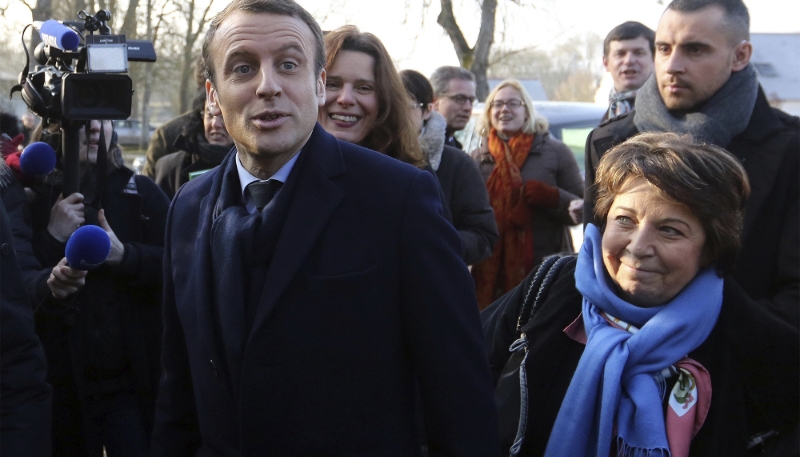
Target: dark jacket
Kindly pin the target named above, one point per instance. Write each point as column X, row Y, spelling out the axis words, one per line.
column 163, row 141
column 172, row 170
column 365, row 303
column 25, row 396
column 751, row 356
column 553, row 163
column 106, row 337
column 768, row 267
column 465, row 195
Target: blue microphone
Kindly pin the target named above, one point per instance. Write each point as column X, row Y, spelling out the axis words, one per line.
column 37, row 159
column 56, row 34
column 87, row 248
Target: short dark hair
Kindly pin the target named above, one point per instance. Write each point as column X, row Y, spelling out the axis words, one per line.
column 705, row 178
column 417, row 86
column 630, row 31
column 737, row 17
column 277, row 7
column 393, row 133
column 441, row 77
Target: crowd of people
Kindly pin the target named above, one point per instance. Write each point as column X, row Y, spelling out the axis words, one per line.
column 310, row 264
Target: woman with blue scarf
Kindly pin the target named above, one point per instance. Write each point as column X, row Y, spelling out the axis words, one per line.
column 642, row 346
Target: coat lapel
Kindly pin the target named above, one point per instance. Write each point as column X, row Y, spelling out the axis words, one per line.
column 204, row 278
column 314, row 197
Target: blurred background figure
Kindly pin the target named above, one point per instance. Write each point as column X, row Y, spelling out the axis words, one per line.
column 458, row 175
column 201, row 146
column 163, row 140
column 101, row 333
column 453, row 97
column 534, row 187
column 29, row 122
column 628, row 56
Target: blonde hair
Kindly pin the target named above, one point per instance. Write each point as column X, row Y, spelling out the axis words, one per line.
column 533, row 124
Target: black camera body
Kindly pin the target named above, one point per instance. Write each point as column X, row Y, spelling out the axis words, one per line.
column 88, row 81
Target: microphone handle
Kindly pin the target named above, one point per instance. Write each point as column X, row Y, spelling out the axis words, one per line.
column 70, row 147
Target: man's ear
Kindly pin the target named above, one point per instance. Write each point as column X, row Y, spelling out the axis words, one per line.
column 212, row 100
column 323, row 76
column 435, row 104
column 741, row 55
column 605, row 62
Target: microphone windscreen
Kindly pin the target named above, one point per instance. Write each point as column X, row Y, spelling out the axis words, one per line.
column 88, row 247
column 56, row 34
column 37, row 159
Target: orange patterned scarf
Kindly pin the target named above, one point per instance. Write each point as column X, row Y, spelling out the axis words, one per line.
column 512, row 258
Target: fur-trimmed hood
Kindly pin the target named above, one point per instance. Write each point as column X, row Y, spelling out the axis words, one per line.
column 432, row 139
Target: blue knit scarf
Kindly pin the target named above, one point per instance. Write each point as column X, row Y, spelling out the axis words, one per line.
column 617, row 381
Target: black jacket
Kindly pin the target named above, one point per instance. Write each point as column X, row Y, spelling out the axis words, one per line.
column 468, row 201
column 106, row 337
column 751, row 356
column 768, row 268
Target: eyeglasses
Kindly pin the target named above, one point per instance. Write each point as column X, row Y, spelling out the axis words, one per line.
column 460, row 99
column 415, row 105
column 512, row 104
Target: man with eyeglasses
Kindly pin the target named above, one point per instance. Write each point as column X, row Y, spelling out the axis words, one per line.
column 453, row 97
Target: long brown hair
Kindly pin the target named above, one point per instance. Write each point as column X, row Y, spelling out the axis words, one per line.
column 393, row 133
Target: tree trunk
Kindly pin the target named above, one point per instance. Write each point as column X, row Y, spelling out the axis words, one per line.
column 476, row 58
column 483, row 46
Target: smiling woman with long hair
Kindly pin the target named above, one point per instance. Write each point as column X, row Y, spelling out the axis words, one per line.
column 366, row 102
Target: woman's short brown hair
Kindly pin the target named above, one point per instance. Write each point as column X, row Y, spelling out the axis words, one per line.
column 393, row 132
column 705, row 178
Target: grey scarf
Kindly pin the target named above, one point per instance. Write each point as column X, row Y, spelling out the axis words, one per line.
column 620, row 102
column 722, row 117
column 431, row 139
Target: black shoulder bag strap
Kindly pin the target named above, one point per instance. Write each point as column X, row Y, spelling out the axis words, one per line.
column 511, row 393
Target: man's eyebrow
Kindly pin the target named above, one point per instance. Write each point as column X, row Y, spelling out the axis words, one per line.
column 694, row 44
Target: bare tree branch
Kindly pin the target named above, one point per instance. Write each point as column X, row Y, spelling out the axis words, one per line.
column 448, row 22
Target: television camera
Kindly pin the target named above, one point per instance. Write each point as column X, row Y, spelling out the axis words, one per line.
column 81, row 75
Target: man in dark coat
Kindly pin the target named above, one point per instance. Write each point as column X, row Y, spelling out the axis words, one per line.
column 628, row 58
column 453, row 97
column 322, row 321
column 704, row 85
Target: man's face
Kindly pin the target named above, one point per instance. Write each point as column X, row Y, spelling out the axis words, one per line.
column 457, row 115
column 630, row 63
column 266, row 87
column 695, row 56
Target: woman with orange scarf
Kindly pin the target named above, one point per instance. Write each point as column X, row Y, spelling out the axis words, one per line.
column 533, row 181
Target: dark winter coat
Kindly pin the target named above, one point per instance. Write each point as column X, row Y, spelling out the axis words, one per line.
column 106, row 337
column 172, row 170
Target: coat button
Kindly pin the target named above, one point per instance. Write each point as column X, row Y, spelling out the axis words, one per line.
column 5, row 249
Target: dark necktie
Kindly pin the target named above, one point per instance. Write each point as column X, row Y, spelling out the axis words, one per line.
column 262, row 192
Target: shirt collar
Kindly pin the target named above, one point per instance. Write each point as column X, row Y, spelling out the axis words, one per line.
column 245, row 177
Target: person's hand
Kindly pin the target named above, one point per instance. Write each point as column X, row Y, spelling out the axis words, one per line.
column 66, row 216
column 117, row 248
column 576, row 211
column 64, row 280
